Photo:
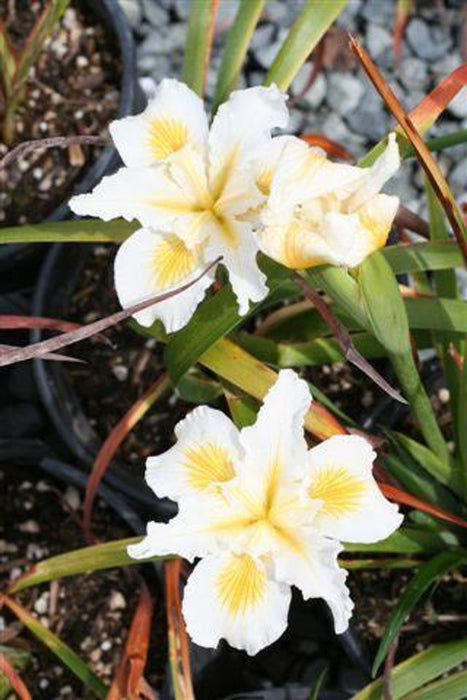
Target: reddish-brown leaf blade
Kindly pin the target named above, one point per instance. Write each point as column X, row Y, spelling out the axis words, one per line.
column 14, row 322
column 342, row 336
column 15, row 681
column 114, row 440
column 126, row 684
column 50, row 356
column 403, row 10
column 9, row 357
column 179, row 655
column 427, row 161
column 52, row 142
column 399, row 496
column 330, row 147
column 434, row 104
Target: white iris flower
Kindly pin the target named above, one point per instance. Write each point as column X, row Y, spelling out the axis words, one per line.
column 195, row 190
column 264, row 513
column 323, row 212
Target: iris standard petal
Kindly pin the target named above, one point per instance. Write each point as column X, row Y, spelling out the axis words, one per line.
column 174, row 117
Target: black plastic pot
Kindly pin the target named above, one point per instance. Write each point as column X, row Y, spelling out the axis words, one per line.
column 19, row 261
column 57, row 281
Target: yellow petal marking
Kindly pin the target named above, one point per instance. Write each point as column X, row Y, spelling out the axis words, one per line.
column 340, row 491
column 293, row 249
column 264, row 181
column 207, row 464
column 166, row 135
column 173, row 261
column 378, row 229
column 241, row 586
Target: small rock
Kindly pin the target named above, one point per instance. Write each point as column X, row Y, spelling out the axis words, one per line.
column 120, row 372
column 379, row 12
column 458, row 179
column 117, row 601
column 344, row 92
column 275, row 11
column 444, row 395
column 266, row 54
column 132, row 11
column 29, row 526
column 106, row 645
column 413, row 73
column 458, row 106
column 430, row 43
column 369, row 119
column 7, row 547
column 262, row 36
column 155, row 13
column 378, row 39
column 72, row 497
column 42, row 603
column 182, row 8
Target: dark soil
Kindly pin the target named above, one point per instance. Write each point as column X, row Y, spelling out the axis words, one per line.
column 91, row 613
column 115, row 377
column 438, row 618
column 72, row 89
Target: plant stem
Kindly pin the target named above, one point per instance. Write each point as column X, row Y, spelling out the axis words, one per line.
column 413, row 389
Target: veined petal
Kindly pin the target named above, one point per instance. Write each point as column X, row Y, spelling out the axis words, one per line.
column 275, row 446
column 204, row 456
column 376, row 217
column 377, row 175
column 234, row 241
column 309, row 561
column 151, row 262
column 353, row 508
column 241, row 125
column 189, row 534
column 294, row 245
column 174, row 117
column 232, row 597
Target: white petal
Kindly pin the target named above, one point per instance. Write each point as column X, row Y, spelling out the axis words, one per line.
column 189, row 534
column 377, row 175
column 241, row 125
column 311, row 565
column 234, row 241
column 174, row 117
column 376, row 217
column 151, row 262
column 275, row 445
column 146, row 194
column 231, row 597
column 353, row 508
column 203, row 457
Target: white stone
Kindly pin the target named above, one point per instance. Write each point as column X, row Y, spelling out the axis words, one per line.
column 429, row 43
column 458, row 106
column 155, row 13
column 117, row 601
column 29, row 526
column 132, row 10
column 378, row 39
column 344, row 92
column 42, row 603
column 72, row 497
column 413, row 73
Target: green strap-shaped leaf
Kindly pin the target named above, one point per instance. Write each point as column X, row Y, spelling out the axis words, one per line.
column 451, row 688
column 424, row 457
column 423, row 579
column 418, row 670
column 434, row 255
column 79, row 231
column 81, row 561
column 236, row 48
column 410, row 540
column 311, row 25
column 198, row 43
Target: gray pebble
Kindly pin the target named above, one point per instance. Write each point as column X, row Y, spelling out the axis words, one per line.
column 430, row 43
column 344, row 92
column 378, row 39
column 413, row 73
column 155, row 13
column 133, row 12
